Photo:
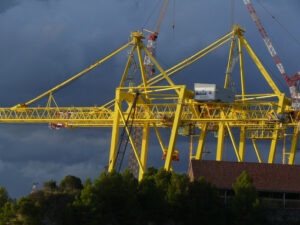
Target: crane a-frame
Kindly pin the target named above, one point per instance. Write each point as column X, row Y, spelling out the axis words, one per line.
column 173, row 106
column 149, row 72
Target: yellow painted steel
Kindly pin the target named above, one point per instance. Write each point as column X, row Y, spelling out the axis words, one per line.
column 256, row 151
column 294, row 146
column 172, row 106
column 187, row 63
column 273, row 146
column 174, row 132
column 201, row 143
column 233, row 143
column 131, row 55
column 242, row 69
column 242, row 143
column 75, row 77
column 142, row 70
column 229, row 64
column 163, row 148
column 115, row 135
column 259, row 65
column 221, row 135
column 119, row 108
column 144, row 151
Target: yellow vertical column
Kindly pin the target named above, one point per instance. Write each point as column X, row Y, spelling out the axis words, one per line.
column 174, row 132
column 273, row 146
column 276, row 131
column 221, row 135
column 243, row 129
column 294, row 146
column 201, row 142
column 144, row 151
column 242, row 143
column 115, row 134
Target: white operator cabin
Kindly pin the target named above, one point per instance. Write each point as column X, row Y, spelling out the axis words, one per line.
column 213, row 93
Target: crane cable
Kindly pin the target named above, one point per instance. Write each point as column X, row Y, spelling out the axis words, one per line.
column 277, row 21
column 125, row 140
column 232, row 14
column 173, row 16
column 151, row 13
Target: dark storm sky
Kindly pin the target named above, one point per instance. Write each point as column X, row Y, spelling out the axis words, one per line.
column 44, row 42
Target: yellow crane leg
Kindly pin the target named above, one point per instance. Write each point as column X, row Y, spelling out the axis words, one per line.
column 229, row 65
column 256, row 151
column 259, row 65
column 115, row 135
column 144, row 150
column 242, row 143
column 158, row 66
column 233, row 143
column 221, row 135
column 140, row 56
column 273, row 146
column 174, row 132
column 201, row 142
column 242, row 69
column 294, row 146
column 127, row 66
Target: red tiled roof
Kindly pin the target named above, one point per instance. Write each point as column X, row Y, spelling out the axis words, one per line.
column 266, row 177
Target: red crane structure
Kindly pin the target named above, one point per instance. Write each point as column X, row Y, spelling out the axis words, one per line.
column 293, row 81
column 149, row 72
column 151, row 43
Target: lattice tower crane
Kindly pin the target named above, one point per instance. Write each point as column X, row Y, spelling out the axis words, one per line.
column 149, row 72
column 292, row 81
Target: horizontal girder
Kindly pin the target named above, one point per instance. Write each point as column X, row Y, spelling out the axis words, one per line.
column 250, row 114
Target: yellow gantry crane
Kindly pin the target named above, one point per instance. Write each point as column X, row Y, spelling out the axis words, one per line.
column 157, row 106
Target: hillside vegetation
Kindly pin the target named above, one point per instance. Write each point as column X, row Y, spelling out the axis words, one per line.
column 116, row 199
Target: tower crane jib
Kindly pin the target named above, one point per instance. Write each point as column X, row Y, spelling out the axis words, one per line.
column 151, row 42
column 291, row 81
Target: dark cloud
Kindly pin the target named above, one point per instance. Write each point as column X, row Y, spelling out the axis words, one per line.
column 7, row 4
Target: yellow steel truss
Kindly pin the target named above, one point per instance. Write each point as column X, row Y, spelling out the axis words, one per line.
column 173, row 106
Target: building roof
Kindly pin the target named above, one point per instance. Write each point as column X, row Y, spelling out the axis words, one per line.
column 266, row 177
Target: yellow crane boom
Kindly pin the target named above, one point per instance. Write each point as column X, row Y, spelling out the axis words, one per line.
column 174, row 106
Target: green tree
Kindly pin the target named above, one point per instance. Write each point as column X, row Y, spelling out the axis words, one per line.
column 204, row 205
column 71, row 184
column 49, row 205
column 177, row 197
column 7, row 207
column 50, row 185
column 152, row 199
column 30, row 211
column 246, row 207
column 111, row 199
column 3, row 196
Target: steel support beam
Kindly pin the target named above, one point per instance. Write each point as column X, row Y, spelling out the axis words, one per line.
column 294, row 146
column 115, row 134
column 144, row 150
column 174, row 133
column 242, row 143
column 201, row 142
column 221, row 135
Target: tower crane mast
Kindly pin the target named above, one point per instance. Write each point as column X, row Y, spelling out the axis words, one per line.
column 291, row 81
column 149, row 71
column 151, row 42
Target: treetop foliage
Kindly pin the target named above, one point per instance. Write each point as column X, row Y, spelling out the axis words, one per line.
column 119, row 199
